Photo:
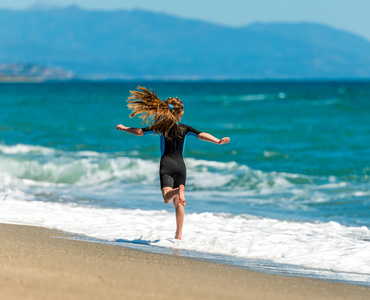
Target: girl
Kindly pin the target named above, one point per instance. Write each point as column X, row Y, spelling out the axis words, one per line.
column 165, row 117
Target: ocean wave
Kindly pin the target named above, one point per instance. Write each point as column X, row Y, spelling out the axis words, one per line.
column 41, row 166
column 246, row 97
column 123, row 180
column 35, row 165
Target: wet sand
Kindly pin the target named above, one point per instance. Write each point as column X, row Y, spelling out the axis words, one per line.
column 38, row 263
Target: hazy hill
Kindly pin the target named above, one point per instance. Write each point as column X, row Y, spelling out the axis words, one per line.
column 19, row 71
column 139, row 44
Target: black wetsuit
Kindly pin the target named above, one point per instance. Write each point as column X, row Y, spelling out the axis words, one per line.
column 172, row 170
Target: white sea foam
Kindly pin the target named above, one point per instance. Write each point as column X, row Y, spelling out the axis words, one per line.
column 25, row 149
column 246, row 97
column 258, row 97
column 315, row 245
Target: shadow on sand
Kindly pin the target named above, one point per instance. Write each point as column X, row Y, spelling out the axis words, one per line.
column 137, row 241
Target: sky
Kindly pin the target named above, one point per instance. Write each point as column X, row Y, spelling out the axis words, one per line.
column 350, row 15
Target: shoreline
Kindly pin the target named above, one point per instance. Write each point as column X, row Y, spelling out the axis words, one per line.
column 42, row 263
column 254, row 265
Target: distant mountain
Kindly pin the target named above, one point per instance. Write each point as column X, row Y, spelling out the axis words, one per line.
column 139, row 44
column 24, row 72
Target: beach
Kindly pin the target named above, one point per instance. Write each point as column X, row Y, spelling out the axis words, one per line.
column 39, row 263
column 289, row 195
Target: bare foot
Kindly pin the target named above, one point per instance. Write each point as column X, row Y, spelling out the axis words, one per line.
column 178, row 236
column 182, row 194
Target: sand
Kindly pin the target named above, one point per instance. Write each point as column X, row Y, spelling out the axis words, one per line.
column 38, row 263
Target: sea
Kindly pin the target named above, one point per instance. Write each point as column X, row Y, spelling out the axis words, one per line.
column 290, row 193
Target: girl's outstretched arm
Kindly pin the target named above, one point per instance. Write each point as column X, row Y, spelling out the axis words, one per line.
column 132, row 130
column 210, row 138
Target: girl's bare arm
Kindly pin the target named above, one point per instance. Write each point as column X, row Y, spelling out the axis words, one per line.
column 210, row 138
column 132, row 130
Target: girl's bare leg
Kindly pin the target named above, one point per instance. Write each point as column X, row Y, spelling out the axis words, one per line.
column 179, row 208
column 170, row 194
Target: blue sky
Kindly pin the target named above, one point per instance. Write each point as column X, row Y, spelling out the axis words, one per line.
column 350, row 15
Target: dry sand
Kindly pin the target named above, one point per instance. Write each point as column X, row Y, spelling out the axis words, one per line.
column 35, row 264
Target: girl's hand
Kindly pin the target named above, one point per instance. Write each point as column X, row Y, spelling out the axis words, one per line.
column 224, row 140
column 121, row 127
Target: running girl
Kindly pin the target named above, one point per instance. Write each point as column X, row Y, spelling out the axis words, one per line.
column 164, row 118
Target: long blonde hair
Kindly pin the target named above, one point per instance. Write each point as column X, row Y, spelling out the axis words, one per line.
column 162, row 115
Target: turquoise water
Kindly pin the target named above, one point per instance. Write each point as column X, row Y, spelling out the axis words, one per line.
column 301, row 149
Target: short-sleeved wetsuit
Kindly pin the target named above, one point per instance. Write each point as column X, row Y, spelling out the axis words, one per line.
column 172, row 170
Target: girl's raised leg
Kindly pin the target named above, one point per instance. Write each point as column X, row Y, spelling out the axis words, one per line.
column 169, row 193
column 182, row 194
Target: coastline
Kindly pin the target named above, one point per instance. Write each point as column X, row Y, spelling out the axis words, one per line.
column 42, row 263
column 20, row 79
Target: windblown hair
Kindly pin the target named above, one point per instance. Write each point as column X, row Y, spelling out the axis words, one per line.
column 154, row 111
